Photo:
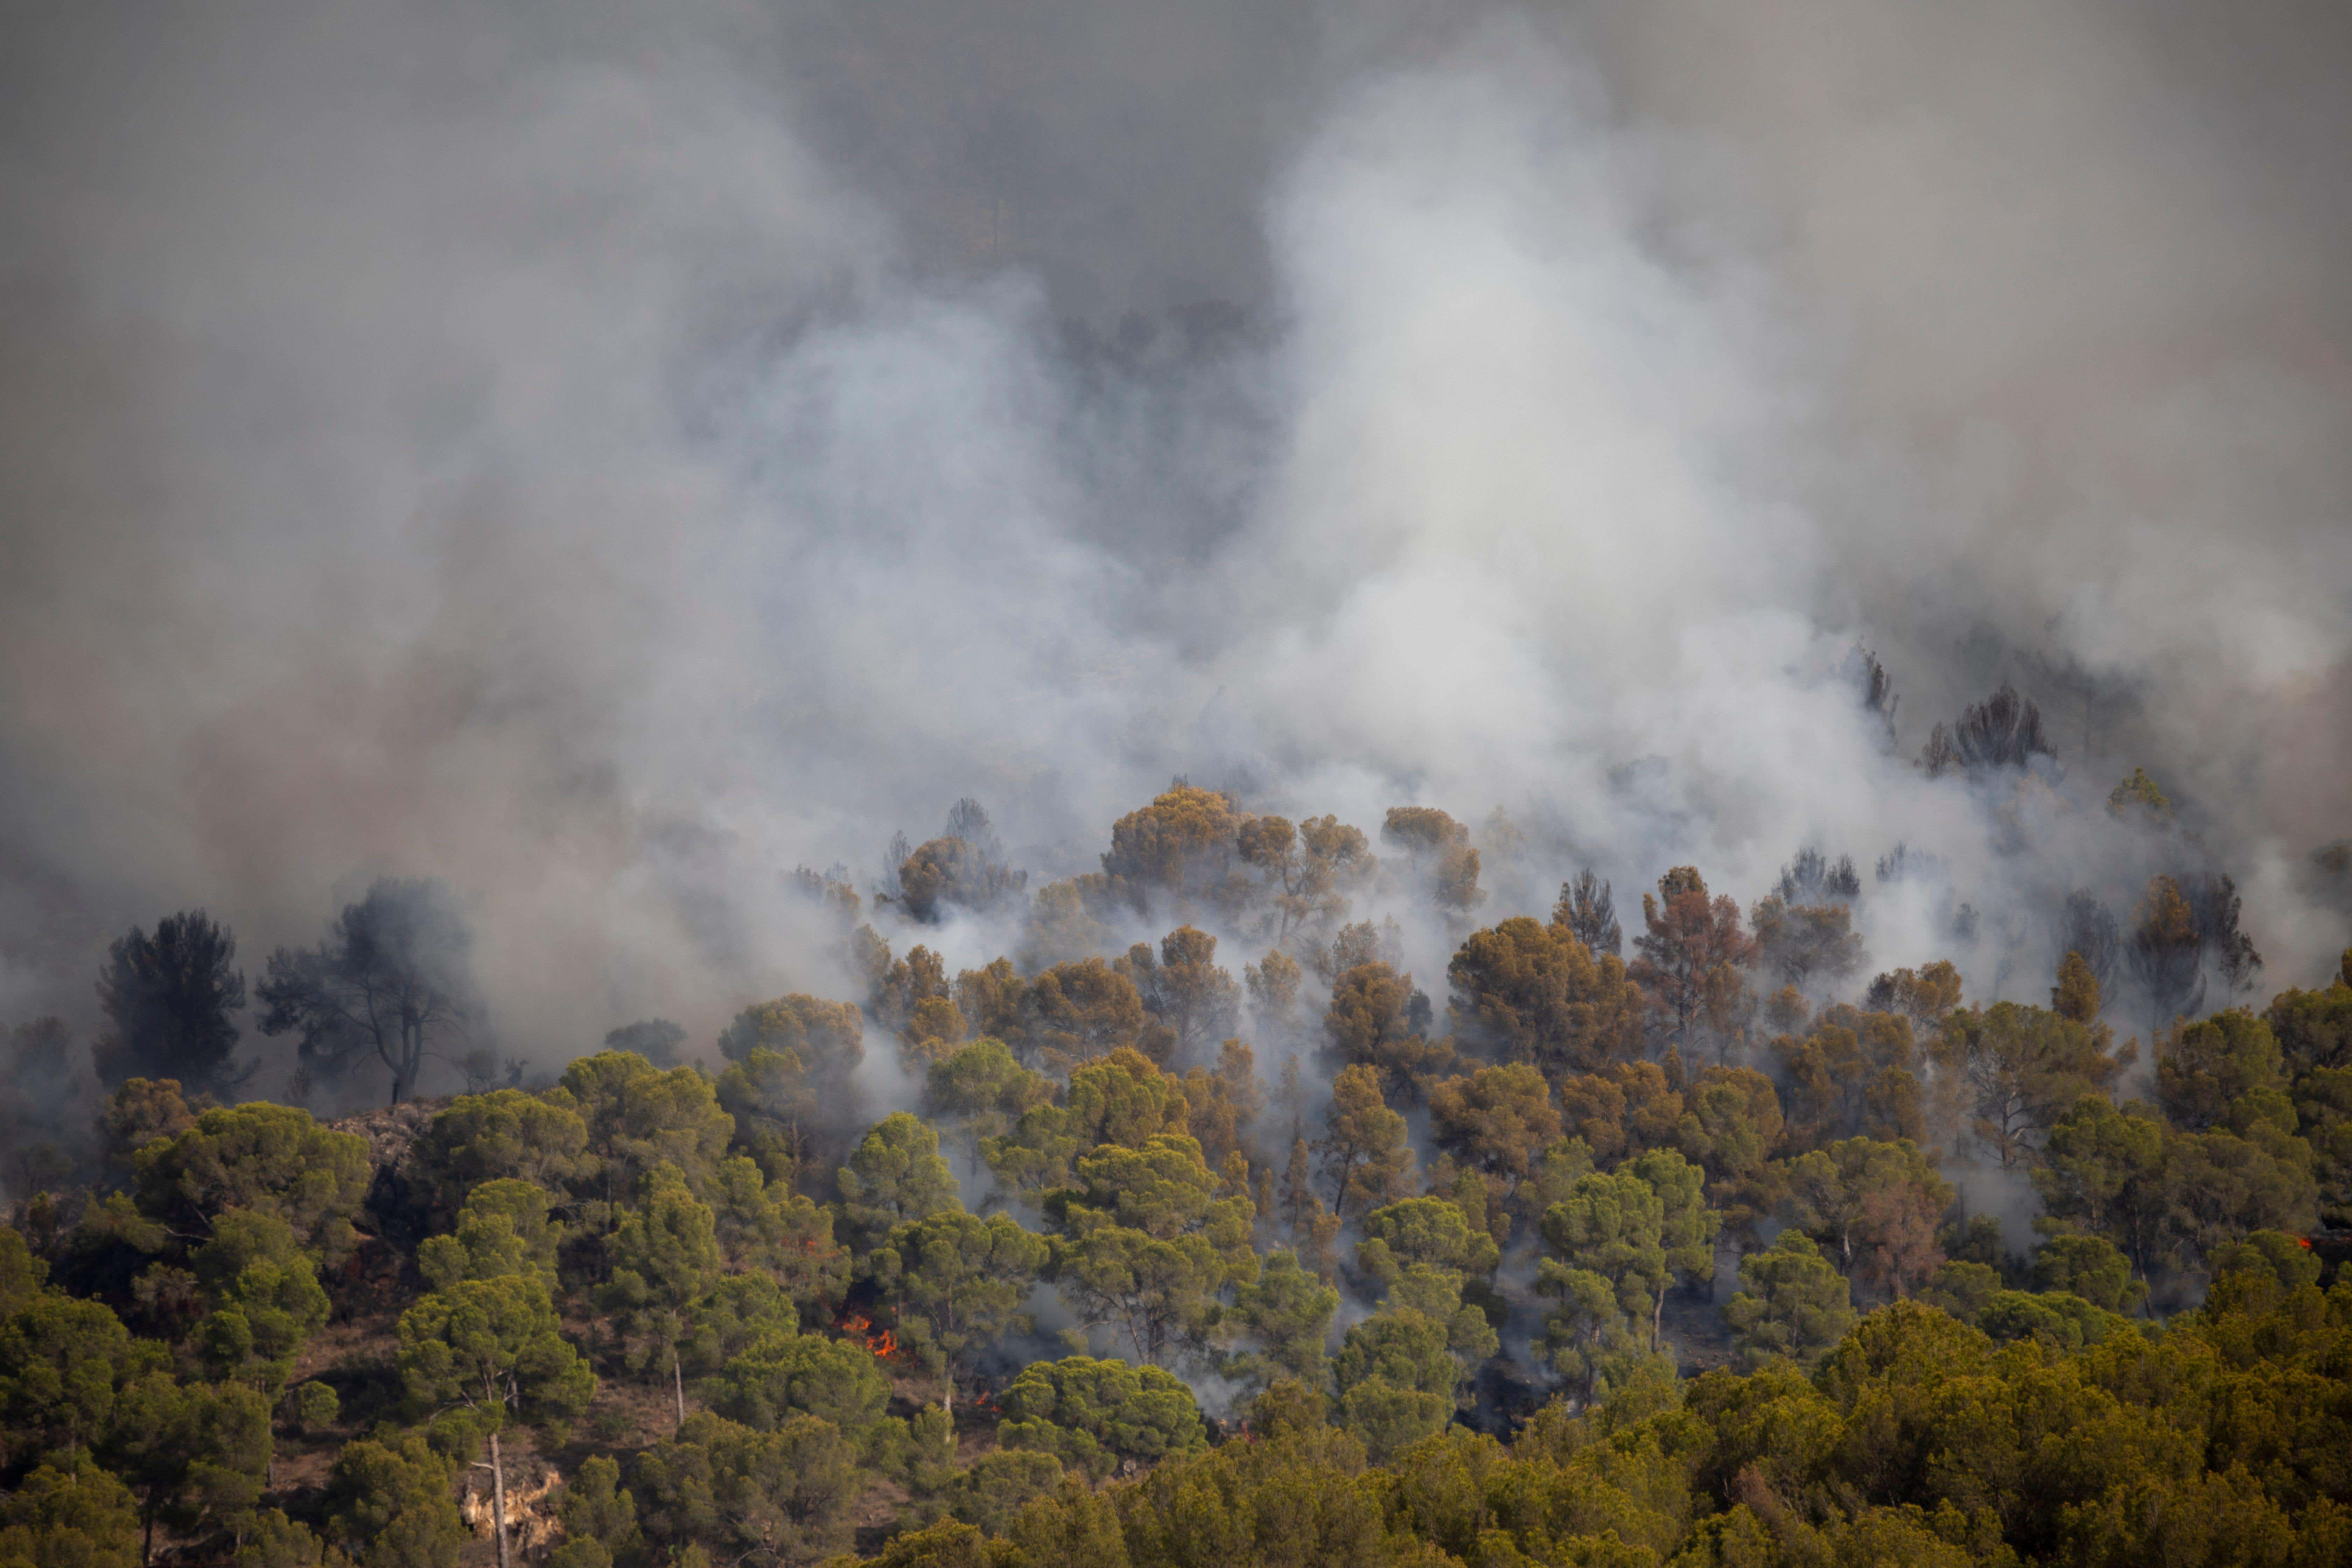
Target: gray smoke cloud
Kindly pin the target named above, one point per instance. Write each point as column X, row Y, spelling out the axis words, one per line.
column 606, row 462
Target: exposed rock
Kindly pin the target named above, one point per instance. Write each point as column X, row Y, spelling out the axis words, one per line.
column 531, row 1525
column 394, row 1209
column 390, row 1130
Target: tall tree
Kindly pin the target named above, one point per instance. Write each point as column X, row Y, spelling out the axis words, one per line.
column 169, row 997
column 1309, row 869
column 1533, row 993
column 1221, row 1104
column 1273, row 985
column 391, row 980
column 2139, row 798
column 1365, row 1156
column 2004, row 731
column 2076, row 995
column 598, row 1515
column 2225, row 1070
column 1686, row 1227
column 637, row 1116
column 665, row 1258
column 767, row 1228
column 1078, row 1010
column 2104, row 1175
column 1149, row 1242
column 263, row 1290
column 656, row 1039
column 2017, row 1069
column 2168, row 953
column 1061, row 926
column 775, row 1499
column 389, row 1504
column 1439, row 848
column 1790, row 1304
column 959, row 1282
column 1372, row 1022
column 69, row 1510
column 273, row 1159
column 505, row 1134
column 1804, row 944
column 1876, row 1202
column 782, row 1374
column 2228, row 950
column 1188, row 995
column 1873, row 691
column 1122, row 1098
column 896, row 1176
column 982, row 1092
column 829, row 1037
column 2088, row 928
column 1631, row 1108
column 774, row 1107
column 1311, row 1228
column 192, row 1452
column 492, row 1350
column 1922, row 996
column 1396, row 1375
column 1813, row 878
column 954, row 872
column 1428, row 1232
column 1854, row 1073
column 1095, row 1414
column 1286, row 1313
column 2314, row 1028
column 1731, row 1124
column 1590, row 914
column 1182, row 850
column 1688, row 938
column 1497, row 1122
column 38, row 1086
column 1609, row 1226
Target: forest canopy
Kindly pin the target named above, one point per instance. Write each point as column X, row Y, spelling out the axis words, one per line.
column 1648, row 1239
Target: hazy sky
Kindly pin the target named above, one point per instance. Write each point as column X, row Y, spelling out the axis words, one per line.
column 608, row 456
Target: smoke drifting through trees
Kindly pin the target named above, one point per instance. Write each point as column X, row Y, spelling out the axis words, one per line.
column 628, row 475
column 605, row 470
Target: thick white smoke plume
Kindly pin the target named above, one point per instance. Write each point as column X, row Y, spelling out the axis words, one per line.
column 607, row 464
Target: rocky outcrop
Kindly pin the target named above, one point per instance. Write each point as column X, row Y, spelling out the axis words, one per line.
column 391, row 1131
column 532, row 1526
column 395, row 1209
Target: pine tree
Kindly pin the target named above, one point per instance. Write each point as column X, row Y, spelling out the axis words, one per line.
column 664, row 1259
column 489, row 1350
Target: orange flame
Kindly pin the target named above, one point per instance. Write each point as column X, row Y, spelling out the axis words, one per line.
column 882, row 1342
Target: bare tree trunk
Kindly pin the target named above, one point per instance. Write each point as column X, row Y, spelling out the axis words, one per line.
column 498, row 1499
column 411, row 1058
column 677, row 1380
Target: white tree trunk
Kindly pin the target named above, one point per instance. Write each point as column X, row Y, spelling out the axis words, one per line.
column 498, row 1499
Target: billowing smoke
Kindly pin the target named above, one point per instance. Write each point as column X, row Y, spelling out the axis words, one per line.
column 606, row 463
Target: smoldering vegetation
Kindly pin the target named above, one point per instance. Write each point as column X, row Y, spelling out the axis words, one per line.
column 952, row 746
column 923, row 1267
column 604, row 466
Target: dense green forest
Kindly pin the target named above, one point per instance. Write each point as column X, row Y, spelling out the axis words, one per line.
column 1585, row 1259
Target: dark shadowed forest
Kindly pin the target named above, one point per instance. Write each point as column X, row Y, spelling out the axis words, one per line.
column 1656, row 1231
